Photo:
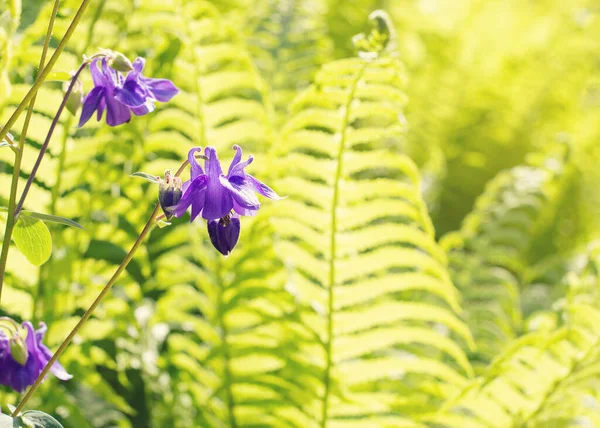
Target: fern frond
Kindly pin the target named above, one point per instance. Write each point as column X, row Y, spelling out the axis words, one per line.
column 360, row 248
column 489, row 254
column 288, row 41
column 545, row 378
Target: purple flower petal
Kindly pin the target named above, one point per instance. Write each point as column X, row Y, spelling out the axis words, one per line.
column 57, row 369
column 116, row 113
column 98, row 77
column 243, row 211
column 193, row 194
column 262, row 188
column 236, row 158
column 147, row 107
column 218, row 201
column 161, row 89
column 224, row 235
column 195, row 168
column 138, row 65
column 242, row 193
column 237, row 170
column 101, row 108
column 131, row 94
column 91, row 103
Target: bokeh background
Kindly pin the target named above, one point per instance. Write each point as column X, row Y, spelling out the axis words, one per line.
column 434, row 264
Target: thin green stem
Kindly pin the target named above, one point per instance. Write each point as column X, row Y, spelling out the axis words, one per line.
column 39, row 303
column 333, row 249
column 147, row 228
column 44, row 73
column 10, row 221
column 48, row 138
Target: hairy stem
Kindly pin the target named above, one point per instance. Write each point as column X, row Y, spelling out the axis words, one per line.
column 10, row 221
column 48, row 138
column 44, row 73
column 147, row 228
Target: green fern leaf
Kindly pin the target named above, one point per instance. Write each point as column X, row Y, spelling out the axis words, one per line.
column 359, row 245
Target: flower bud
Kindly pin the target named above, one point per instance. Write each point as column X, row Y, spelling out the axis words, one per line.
column 18, row 349
column 75, row 97
column 119, row 62
column 169, row 193
column 224, row 233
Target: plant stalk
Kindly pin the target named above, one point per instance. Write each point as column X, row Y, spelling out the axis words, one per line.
column 48, row 138
column 44, row 73
column 10, row 221
column 147, row 228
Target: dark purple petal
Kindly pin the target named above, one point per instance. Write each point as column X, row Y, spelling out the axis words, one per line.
column 195, row 168
column 91, row 103
column 193, row 194
column 224, row 235
column 242, row 193
column 101, row 108
column 116, row 113
column 262, row 188
column 131, row 94
column 218, row 201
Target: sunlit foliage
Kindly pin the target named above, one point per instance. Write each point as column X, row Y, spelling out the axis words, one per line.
column 433, row 265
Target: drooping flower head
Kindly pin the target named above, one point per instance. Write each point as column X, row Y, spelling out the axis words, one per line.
column 221, row 198
column 23, row 356
column 120, row 96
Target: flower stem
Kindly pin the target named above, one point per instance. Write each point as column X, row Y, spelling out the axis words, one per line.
column 10, row 221
column 147, row 228
column 44, row 73
column 149, row 225
column 48, row 137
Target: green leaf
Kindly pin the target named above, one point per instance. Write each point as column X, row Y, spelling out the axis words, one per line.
column 37, row 419
column 29, row 419
column 33, row 239
column 151, row 178
column 53, row 218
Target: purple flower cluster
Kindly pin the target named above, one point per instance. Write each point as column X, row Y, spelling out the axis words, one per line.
column 120, row 96
column 23, row 359
column 221, row 198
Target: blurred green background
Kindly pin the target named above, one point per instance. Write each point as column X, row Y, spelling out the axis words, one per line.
column 434, row 264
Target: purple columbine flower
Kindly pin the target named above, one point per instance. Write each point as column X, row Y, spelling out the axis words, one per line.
column 22, row 361
column 221, row 199
column 120, row 96
column 140, row 92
